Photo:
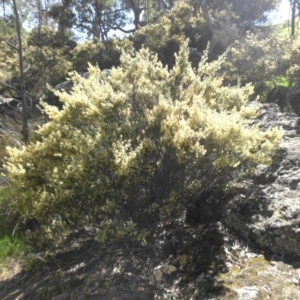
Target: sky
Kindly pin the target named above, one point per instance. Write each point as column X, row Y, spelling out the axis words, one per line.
column 283, row 12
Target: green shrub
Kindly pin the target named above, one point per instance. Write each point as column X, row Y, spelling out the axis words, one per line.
column 10, row 132
column 4, row 144
column 166, row 35
column 47, row 37
column 45, row 61
column 292, row 56
column 8, row 57
column 136, row 146
column 104, row 54
column 9, row 245
column 258, row 58
column 9, row 135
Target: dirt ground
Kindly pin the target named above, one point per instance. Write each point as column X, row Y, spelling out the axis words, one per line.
column 181, row 261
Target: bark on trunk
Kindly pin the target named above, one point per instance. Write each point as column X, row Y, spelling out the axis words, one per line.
column 24, row 130
column 211, row 26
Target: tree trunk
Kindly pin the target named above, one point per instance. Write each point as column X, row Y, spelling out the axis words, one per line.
column 163, row 6
column 24, row 130
column 3, row 8
column 206, row 15
column 40, row 22
column 211, row 26
column 293, row 21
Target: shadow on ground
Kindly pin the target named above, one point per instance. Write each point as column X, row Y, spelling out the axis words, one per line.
column 201, row 259
column 181, row 262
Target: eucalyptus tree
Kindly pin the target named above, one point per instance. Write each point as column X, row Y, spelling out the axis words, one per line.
column 253, row 11
column 146, row 11
column 24, row 130
column 4, row 8
column 234, row 16
column 63, row 13
column 136, row 8
column 295, row 9
column 96, row 18
column 245, row 12
column 39, row 12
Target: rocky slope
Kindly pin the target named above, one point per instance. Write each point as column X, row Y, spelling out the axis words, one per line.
column 267, row 210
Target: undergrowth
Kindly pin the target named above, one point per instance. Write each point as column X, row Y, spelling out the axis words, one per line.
column 10, row 245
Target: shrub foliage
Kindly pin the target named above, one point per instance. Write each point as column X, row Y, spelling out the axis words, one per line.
column 258, row 58
column 292, row 56
column 104, row 54
column 165, row 36
column 136, row 146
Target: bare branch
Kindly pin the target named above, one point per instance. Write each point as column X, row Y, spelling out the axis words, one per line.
column 16, row 109
column 27, row 69
column 11, row 45
column 121, row 29
column 8, row 85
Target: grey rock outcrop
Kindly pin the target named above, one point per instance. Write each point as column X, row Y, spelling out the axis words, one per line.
column 266, row 209
column 278, row 95
column 12, row 108
column 294, row 98
column 9, row 106
column 283, row 96
column 195, row 57
column 67, row 86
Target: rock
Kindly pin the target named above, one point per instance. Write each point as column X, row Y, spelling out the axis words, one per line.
column 206, row 207
column 294, row 99
column 195, row 57
column 67, row 86
column 278, row 95
column 247, row 292
column 267, row 209
column 9, row 106
column 63, row 296
column 12, row 107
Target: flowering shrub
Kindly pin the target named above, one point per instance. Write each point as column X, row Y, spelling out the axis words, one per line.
column 258, row 58
column 165, row 36
column 44, row 63
column 104, row 54
column 292, row 56
column 136, row 146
